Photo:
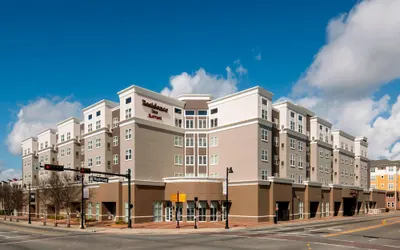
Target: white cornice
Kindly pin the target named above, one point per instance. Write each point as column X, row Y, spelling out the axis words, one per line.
column 313, row 184
column 100, row 103
column 249, row 182
column 280, row 180
column 246, row 92
column 192, row 179
column 100, row 131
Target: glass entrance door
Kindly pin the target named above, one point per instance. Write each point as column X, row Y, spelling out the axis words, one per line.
column 168, row 211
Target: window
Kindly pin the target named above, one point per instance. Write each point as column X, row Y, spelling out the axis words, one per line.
column 292, row 125
column 264, row 174
column 214, row 122
column 98, row 124
column 264, row 134
column 98, row 160
column 276, row 159
column 98, row 113
column 98, row 142
column 90, row 127
column 178, row 141
column 189, row 160
column 68, row 151
column 82, row 150
column 202, row 210
column 62, row 152
column 62, row 138
column 202, row 123
column 46, row 144
column 382, row 176
column 115, row 159
column 189, row 123
column 178, row 111
column 202, row 142
column 190, row 211
column 202, row 160
column 213, row 141
column 300, row 179
column 341, row 159
column 301, row 210
column 292, row 160
column 189, row 142
column 342, row 145
column 351, row 148
column 382, row 185
column 292, row 143
column 300, row 162
column 128, row 100
column 90, row 162
column 189, row 112
column 391, row 177
column 214, row 111
column 327, row 154
column 264, row 155
column 178, row 160
column 276, row 141
column 213, row 211
column 115, row 141
column 391, row 186
column 178, row 123
column 292, row 176
column 128, row 154
column 300, row 146
column 90, row 117
column 202, row 112
column 115, row 122
column 128, row 134
column 214, row 159
column 264, row 114
column 41, row 145
column 300, row 124
column 128, row 113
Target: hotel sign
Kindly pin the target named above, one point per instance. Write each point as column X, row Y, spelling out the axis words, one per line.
column 154, row 109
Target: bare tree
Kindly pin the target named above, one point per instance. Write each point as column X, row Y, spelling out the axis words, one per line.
column 71, row 193
column 6, row 198
column 19, row 198
column 44, row 196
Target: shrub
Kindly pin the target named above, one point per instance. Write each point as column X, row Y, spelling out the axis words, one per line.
column 59, row 217
column 387, row 210
column 120, row 222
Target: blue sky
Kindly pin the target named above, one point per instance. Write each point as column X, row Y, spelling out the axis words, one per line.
column 89, row 50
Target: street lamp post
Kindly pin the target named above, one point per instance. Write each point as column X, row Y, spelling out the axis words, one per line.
column 228, row 171
column 29, row 204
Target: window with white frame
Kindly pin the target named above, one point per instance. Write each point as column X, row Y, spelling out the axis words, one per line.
column 391, row 186
column 189, row 123
column 264, row 155
column 202, row 160
column 202, row 142
column 98, row 142
column 68, row 135
column 98, row 124
column 46, row 144
column 292, row 121
column 276, row 141
column 90, row 162
column 321, row 167
column 189, row 142
column 300, row 161
column 62, row 153
column 264, row 174
column 128, row 134
column 300, row 145
column 213, row 141
column 98, row 160
column 115, row 159
column 321, row 153
column 68, row 151
column 115, row 141
column 82, row 164
column 178, row 160
column 115, row 122
column 342, row 172
column 82, row 150
column 300, row 179
column 292, row 177
column 301, row 210
column 391, row 177
column 214, row 159
column 300, row 124
column 190, row 160
column 214, row 122
column 41, row 145
column 264, row 134
column 202, row 123
column 128, row 113
column 128, row 154
column 327, row 154
column 373, row 177
column 264, row 114
column 178, row 122
column 292, row 143
column 62, row 138
column 178, row 141
column 292, row 160
column 90, row 127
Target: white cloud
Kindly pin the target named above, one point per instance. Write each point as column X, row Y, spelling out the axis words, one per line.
column 362, row 53
column 258, row 57
column 240, row 70
column 9, row 173
column 202, row 83
column 37, row 116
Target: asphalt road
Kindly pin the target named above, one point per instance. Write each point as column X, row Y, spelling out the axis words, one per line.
column 365, row 235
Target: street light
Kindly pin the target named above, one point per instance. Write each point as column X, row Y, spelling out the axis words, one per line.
column 228, row 171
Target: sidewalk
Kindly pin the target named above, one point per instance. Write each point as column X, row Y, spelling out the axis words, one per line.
column 188, row 227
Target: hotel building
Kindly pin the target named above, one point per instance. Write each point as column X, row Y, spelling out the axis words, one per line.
column 286, row 161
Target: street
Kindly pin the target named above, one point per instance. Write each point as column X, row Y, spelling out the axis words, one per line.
column 370, row 234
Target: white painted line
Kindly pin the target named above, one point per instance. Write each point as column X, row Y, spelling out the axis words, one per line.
column 329, row 244
column 391, row 246
column 52, row 238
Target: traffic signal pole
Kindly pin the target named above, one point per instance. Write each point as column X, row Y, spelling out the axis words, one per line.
column 82, row 203
column 129, row 200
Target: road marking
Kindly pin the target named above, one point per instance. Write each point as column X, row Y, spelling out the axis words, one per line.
column 360, row 229
column 391, row 246
column 41, row 239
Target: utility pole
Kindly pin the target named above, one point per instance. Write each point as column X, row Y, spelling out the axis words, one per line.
column 228, row 171
column 82, row 203
column 129, row 199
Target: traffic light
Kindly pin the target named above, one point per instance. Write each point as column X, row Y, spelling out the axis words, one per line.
column 53, row 167
column 86, row 170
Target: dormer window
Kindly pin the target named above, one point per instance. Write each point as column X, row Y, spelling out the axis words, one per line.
column 90, row 117
column 178, row 111
column 128, row 100
column 98, row 113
